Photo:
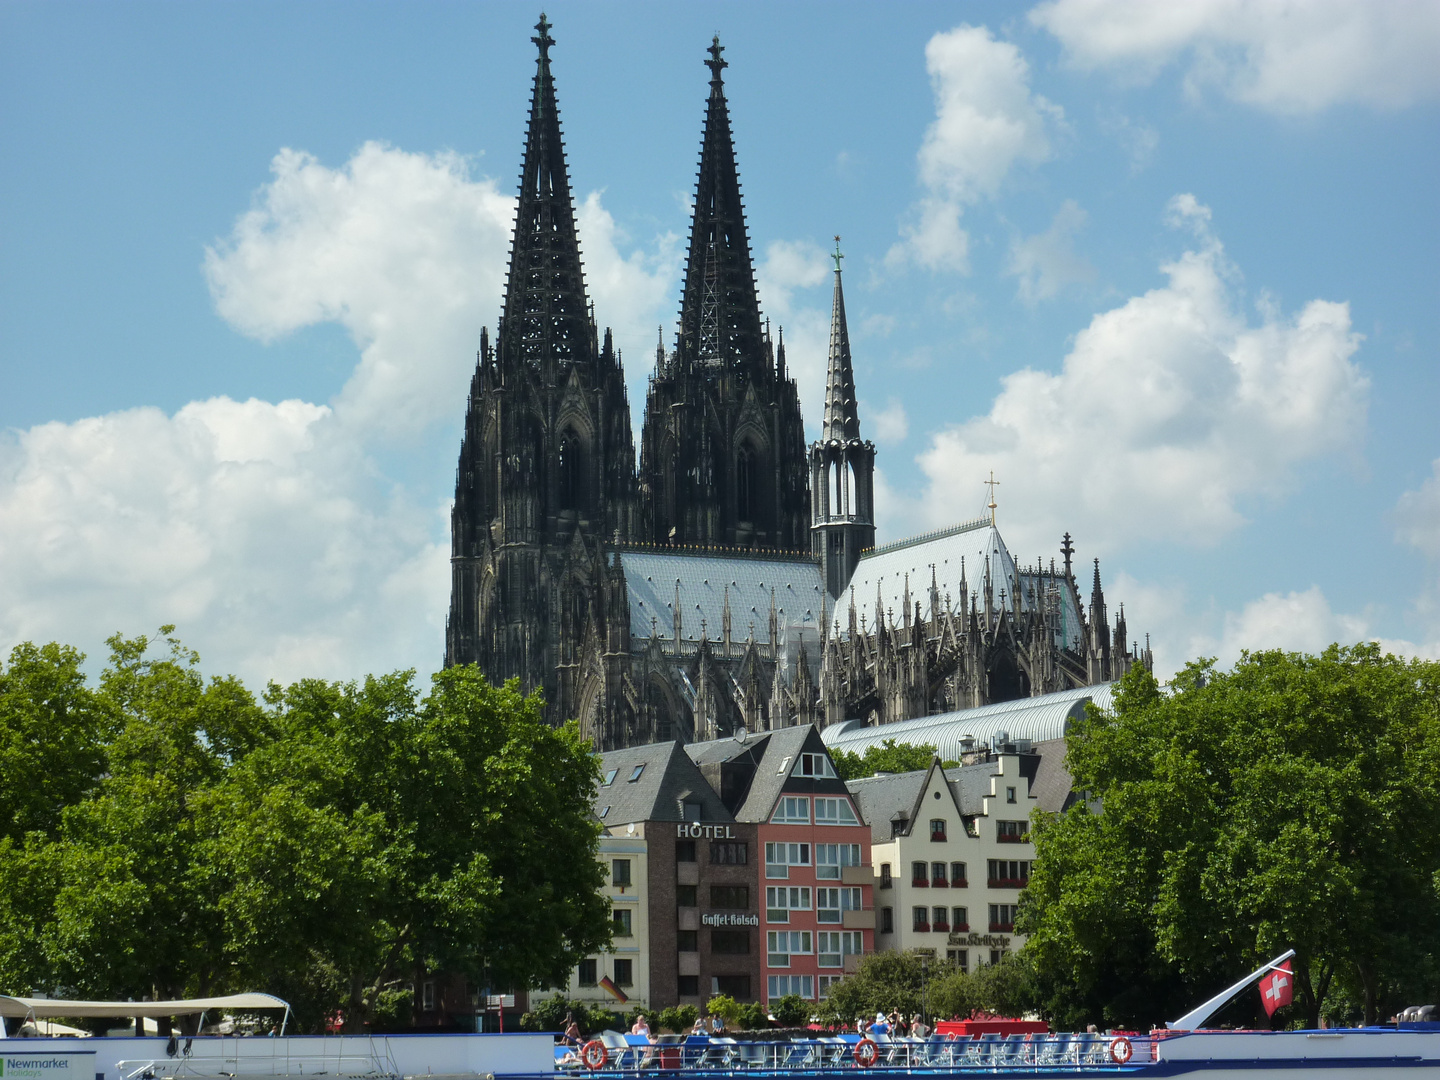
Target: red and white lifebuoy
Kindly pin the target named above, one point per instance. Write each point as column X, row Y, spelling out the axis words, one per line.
column 1120, row 1050
column 866, row 1052
column 593, row 1054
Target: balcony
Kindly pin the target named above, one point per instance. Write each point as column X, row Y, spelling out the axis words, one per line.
column 1002, row 927
column 1004, row 838
column 859, row 920
column 858, row 875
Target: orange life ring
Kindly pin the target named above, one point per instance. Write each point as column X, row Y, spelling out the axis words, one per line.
column 866, row 1052
column 1120, row 1050
column 593, row 1054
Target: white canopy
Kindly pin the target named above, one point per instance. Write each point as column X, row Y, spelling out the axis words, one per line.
column 43, row 1007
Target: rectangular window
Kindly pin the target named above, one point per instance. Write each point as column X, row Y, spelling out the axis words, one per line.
column 610, row 777
column 620, row 872
column 834, row 812
column 688, row 986
column 693, row 811
column 785, row 985
column 937, row 828
column 829, row 858
column 920, row 874
column 829, row 903
column 1002, row 918
column 960, row 920
column 780, row 857
column 940, row 919
column 635, row 773
column 1008, row 873
column 937, row 875
column 780, row 900
column 920, row 920
column 428, row 995
column 995, row 955
column 792, row 810
column 817, row 765
column 1009, row 794
column 782, row 944
column 1011, row 832
column 624, row 972
column 959, row 957
column 687, row 941
column 832, row 946
column 972, row 826
column 736, row 986
column 685, row 895
column 730, row 942
column 730, row 896
column 958, row 879
column 886, row 882
column 620, row 920
column 684, row 850
column 586, row 974
column 887, row 920
column 823, row 983
column 729, row 853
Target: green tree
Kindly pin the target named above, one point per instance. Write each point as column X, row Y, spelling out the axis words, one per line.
column 883, row 981
column 887, row 757
column 792, row 1010
column 452, row 833
column 1275, row 805
column 52, row 738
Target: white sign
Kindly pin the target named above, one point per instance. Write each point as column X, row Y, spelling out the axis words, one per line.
column 730, row 920
column 705, row 832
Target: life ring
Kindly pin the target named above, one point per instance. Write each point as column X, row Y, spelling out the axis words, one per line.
column 1120, row 1050
column 593, row 1054
column 866, row 1052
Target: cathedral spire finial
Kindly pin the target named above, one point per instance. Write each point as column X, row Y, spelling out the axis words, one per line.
column 716, row 63
column 992, row 484
column 837, row 256
column 544, row 40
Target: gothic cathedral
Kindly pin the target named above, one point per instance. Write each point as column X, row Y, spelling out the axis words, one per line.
column 702, row 594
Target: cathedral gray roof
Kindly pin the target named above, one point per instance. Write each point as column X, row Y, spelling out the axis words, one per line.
column 653, row 783
column 705, row 582
column 957, row 560
column 1035, row 718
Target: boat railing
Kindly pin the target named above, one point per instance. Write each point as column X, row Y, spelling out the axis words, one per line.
column 706, row 1054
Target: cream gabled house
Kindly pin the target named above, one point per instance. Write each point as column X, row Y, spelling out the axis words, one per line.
column 952, row 852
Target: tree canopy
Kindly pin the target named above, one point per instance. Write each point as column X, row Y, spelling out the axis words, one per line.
column 322, row 843
column 887, row 757
column 1287, row 803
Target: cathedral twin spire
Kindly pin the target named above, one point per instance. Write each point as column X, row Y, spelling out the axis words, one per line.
column 546, row 316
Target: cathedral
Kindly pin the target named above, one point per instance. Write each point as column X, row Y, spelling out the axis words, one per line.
column 731, row 581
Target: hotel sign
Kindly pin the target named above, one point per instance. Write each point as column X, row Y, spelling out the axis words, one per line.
column 994, row 941
column 712, row 919
column 697, row 831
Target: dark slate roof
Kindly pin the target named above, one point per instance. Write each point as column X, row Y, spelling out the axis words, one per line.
column 769, row 750
column 668, row 781
column 704, row 583
column 1052, row 784
column 880, row 798
column 971, row 784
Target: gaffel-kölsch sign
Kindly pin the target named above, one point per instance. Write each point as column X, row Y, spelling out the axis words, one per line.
column 704, row 832
column 729, row 920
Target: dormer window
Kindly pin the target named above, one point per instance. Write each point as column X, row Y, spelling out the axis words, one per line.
column 792, row 811
column 834, row 812
column 817, row 765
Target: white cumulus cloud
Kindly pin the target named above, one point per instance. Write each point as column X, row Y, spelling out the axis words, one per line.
column 987, row 120
column 1168, row 411
column 1286, row 58
column 788, row 280
column 271, row 532
column 1417, row 515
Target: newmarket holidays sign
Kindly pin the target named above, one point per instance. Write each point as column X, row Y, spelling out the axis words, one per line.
column 72, row 1066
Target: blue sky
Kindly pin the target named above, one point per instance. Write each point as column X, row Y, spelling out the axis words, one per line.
column 1171, row 271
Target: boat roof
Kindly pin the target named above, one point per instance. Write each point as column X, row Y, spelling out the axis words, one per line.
column 46, row 1007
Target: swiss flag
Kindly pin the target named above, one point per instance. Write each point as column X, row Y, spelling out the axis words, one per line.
column 1278, row 988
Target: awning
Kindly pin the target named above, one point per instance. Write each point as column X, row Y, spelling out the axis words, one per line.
column 43, row 1007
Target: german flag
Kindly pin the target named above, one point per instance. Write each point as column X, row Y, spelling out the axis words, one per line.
column 613, row 990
